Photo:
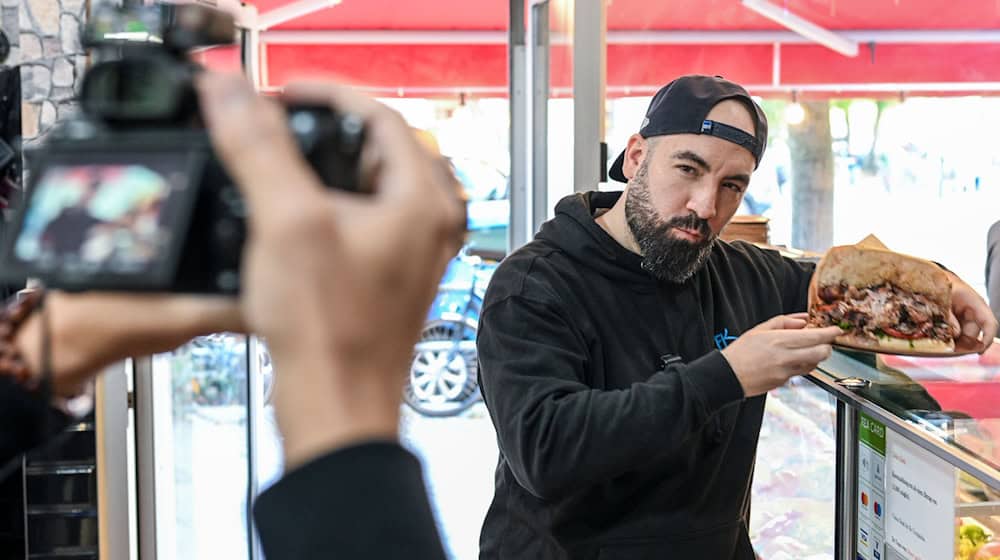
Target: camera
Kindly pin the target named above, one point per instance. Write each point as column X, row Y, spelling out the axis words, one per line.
column 130, row 195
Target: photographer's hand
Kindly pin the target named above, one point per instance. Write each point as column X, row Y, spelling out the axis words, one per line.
column 338, row 283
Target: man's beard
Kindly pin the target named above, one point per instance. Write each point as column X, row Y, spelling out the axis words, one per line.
column 665, row 256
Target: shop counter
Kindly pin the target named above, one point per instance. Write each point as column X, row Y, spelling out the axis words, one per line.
column 917, row 455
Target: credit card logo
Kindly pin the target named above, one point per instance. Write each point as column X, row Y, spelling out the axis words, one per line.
column 864, row 499
column 878, row 509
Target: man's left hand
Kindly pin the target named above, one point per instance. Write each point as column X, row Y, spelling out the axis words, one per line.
column 970, row 313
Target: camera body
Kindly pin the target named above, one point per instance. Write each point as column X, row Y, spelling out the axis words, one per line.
column 130, row 196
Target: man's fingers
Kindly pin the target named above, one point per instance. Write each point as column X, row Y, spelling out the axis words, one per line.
column 984, row 322
column 990, row 330
column 782, row 322
column 956, row 326
column 812, row 337
column 253, row 141
column 808, row 357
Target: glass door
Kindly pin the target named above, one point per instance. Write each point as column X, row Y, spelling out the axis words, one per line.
column 193, row 478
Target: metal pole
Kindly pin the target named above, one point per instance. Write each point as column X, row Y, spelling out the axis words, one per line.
column 589, row 74
column 847, row 482
column 255, row 405
column 621, row 37
column 251, row 58
column 250, row 49
column 539, row 27
column 145, row 455
column 111, row 408
column 520, row 198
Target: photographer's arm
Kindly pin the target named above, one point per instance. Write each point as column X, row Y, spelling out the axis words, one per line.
column 89, row 331
column 86, row 333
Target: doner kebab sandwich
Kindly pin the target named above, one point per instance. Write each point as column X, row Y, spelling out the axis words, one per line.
column 884, row 301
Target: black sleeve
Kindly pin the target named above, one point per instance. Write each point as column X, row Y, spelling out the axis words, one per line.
column 362, row 502
column 557, row 433
column 796, row 276
column 27, row 420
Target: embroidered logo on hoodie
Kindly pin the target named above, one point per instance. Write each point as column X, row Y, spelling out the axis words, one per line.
column 723, row 339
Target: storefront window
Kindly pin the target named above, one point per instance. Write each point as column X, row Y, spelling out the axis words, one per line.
column 473, row 134
column 200, row 453
column 918, row 172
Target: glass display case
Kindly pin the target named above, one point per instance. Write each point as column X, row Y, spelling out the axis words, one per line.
column 793, row 494
column 918, row 455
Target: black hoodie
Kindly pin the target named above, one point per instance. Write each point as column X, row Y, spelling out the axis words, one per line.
column 623, row 432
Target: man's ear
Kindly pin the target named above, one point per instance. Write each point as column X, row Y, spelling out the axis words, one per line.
column 635, row 152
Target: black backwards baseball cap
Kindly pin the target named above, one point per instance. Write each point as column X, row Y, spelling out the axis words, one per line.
column 681, row 106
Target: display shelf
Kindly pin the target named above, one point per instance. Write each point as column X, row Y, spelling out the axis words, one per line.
column 68, row 510
column 80, row 427
column 74, row 553
column 40, row 468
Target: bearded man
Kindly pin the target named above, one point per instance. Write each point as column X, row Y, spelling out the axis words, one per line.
column 626, row 351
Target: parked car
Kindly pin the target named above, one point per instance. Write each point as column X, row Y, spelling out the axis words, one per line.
column 487, row 189
column 444, row 372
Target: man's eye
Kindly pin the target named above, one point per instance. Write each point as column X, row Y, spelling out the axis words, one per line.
column 733, row 186
column 687, row 169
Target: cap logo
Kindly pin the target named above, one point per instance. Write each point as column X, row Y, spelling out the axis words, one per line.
column 732, row 134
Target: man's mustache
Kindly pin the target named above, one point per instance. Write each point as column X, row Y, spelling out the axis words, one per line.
column 691, row 222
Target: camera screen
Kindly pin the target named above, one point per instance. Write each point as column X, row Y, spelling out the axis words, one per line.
column 104, row 218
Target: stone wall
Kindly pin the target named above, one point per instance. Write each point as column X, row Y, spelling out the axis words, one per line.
column 52, row 60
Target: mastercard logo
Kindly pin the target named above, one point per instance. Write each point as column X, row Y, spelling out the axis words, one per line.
column 864, row 499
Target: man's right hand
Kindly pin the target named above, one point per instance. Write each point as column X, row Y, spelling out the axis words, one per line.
column 776, row 350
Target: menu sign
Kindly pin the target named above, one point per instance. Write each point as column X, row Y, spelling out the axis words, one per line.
column 871, row 488
column 920, row 492
column 906, row 498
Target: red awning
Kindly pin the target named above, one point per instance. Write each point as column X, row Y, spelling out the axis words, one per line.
column 448, row 46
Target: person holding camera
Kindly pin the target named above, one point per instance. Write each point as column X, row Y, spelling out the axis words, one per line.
column 337, row 283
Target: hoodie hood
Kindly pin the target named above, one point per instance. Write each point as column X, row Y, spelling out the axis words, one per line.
column 574, row 231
